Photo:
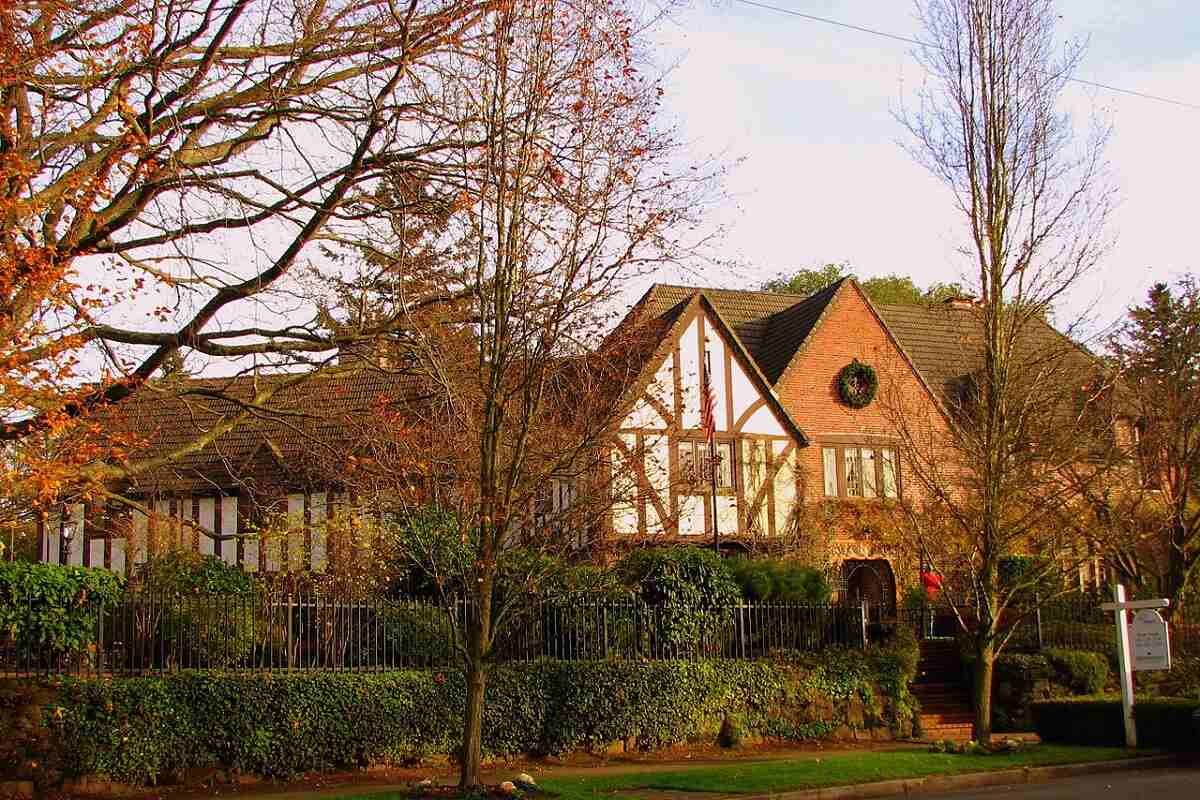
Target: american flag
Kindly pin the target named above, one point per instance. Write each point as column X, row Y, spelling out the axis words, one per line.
column 708, row 419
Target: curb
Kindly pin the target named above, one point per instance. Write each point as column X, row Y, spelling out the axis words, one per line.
column 970, row 780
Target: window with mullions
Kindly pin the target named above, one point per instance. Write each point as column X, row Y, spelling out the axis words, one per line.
column 695, row 463
column 857, row 471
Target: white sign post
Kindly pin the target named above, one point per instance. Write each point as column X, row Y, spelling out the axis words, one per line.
column 1150, row 638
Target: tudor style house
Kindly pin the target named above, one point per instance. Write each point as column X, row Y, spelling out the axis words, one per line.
column 794, row 415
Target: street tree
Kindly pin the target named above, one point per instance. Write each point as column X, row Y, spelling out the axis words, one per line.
column 568, row 190
column 990, row 468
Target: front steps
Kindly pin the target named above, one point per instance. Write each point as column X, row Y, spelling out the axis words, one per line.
column 945, row 707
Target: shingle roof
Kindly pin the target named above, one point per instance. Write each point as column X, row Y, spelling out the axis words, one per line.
column 944, row 341
column 771, row 325
column 941, row 339
column 276, row 447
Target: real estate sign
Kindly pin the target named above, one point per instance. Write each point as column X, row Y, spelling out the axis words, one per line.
column 1151, row 643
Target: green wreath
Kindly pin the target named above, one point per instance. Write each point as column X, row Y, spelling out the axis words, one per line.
column 857, row 384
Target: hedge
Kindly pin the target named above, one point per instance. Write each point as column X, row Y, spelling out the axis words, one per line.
column 50, row 610
column 136, row 730
column 1161, row 722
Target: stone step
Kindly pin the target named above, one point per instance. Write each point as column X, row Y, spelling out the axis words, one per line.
column 955, row 698
column 955, row 733
column 957, row 717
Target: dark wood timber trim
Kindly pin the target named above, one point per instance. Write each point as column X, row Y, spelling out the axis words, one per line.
column 739, row 475
column 640, row 455
column 242, row 512
column 643, row 484
column 747, row 414
column 769, row 485
column 218, row 527
column 875, row 439
column 728, row 386
column 668, row 418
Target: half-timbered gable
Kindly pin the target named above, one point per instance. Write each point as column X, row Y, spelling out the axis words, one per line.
column 661, row 441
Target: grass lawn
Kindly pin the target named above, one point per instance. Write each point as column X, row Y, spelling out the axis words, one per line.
column 805, row 773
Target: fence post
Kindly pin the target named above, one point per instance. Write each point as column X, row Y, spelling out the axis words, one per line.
column 742, row 629
column 290, row 633
column 862, row 611
column 100, row 638
column 604, row 625
column 1037, row 616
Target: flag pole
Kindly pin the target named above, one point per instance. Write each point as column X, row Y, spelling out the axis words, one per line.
column 712, row 451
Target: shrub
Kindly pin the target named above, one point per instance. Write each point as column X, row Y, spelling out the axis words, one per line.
column 1080, row 671
column 418, row 629
column 136, row 729
column 187, row 572
column 51, row 609
column 692, row 589
column 780, row 580
column 200, row 607
column 1161, row 722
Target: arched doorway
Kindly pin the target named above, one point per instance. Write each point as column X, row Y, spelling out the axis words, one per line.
column 872, row 580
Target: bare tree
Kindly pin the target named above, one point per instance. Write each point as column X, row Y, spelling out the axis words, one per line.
column 566, row 190
column 1034, row 202
column 166, row 168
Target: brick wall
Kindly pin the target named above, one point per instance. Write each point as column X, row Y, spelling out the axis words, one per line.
column 808, row 388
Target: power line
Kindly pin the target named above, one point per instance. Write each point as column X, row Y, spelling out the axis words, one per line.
column 907, row 40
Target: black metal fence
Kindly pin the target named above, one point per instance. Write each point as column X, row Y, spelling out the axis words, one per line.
column 1073, row 622
column 147, row 633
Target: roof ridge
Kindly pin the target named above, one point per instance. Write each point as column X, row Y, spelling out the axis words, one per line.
column 767, row 292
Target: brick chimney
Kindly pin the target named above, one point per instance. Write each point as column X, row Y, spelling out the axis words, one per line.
column 961, row 301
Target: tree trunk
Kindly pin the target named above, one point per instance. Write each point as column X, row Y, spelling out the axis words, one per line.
column 472, row 745
column 985, row 661
column 478, row 631
column 1177, row 566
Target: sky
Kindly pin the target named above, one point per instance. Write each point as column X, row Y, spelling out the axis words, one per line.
column 806, row 111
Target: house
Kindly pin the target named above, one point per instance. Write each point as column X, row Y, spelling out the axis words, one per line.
column 787, row 436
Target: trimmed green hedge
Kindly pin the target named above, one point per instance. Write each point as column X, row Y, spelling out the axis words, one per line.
column 138, row 729
column 1161, row 722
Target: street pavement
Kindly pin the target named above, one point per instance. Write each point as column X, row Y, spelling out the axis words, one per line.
column 1175, row 783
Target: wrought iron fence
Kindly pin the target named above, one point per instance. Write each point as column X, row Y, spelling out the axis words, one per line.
column 147, row 633
column 1073, row 622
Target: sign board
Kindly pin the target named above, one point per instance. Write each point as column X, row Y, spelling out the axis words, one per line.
column 1151, row 644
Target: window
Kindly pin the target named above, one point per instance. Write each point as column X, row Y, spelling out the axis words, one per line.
column 695, row 464
column 866, row 457
column 856, row 471
column 854, row 487
column 829, row 456
column 889, row 471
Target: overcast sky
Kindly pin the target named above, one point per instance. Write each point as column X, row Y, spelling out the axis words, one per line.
column 809, row 108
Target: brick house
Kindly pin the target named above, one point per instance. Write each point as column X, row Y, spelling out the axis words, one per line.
column 786, row 440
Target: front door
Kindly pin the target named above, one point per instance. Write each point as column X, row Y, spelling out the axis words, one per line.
column 871, row 580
